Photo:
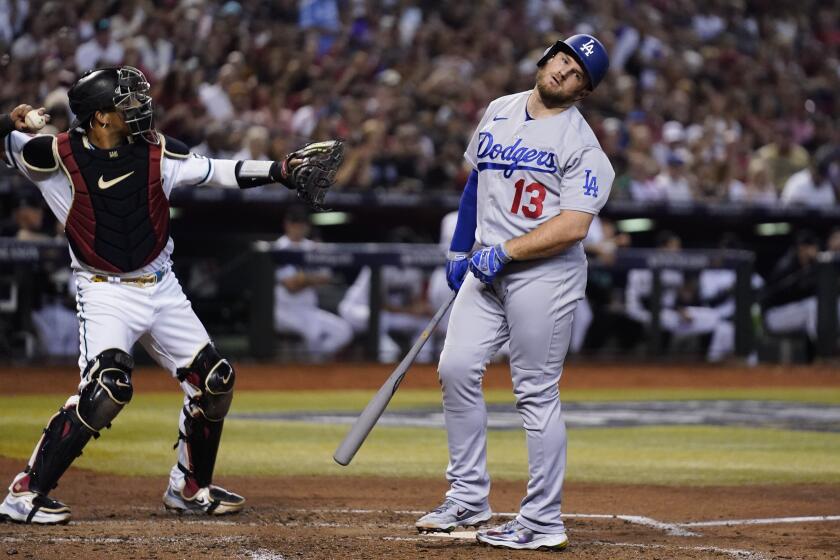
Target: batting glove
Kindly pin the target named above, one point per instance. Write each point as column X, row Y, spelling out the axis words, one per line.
column 486, row 263
column 456, row 269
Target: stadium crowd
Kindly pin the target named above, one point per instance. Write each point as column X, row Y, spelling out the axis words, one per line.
column 727, row 100
column 706, row 101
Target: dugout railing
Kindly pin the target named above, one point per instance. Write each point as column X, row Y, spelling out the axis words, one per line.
column 20, row 261
column 828, row 266
column 376, row 255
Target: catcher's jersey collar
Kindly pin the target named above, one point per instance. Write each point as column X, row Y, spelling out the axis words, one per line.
column 108, row 153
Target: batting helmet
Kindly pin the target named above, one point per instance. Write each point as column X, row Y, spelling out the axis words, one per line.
column 124, row 88
column 588, row 51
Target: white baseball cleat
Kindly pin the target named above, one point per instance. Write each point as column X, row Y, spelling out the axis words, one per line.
column 210, row 500
column 449, row 515
column 24, row 506
column 515, row 535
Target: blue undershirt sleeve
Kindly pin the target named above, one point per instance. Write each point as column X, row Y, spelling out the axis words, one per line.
column 464, row 237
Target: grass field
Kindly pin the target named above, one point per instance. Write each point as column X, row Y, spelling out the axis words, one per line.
column 141, row 440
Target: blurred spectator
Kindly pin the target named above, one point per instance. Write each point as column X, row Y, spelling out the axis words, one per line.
column 782, row 157
column 296, row 300
column 320, row 15
column 156, row 50
column 817, row 185
column 643, row 184
column 673, row 181
column 214, row 95
column 254, row 144
column 758, row 190
column 672, row 145
column 217, row 143
column 102, row 50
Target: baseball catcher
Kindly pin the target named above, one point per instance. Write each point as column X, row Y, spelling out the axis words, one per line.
column 108, row 180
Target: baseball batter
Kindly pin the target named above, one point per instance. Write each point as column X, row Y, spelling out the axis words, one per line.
column 108, row 181
column 539, row 177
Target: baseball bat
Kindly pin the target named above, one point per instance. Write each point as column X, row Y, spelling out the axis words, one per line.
column 370, row 415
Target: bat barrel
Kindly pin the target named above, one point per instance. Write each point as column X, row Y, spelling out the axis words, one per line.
column 370, row 415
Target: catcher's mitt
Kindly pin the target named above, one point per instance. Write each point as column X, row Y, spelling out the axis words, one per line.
column 316, row 173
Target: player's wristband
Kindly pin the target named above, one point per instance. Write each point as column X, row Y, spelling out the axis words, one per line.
column 251, row 173
column 502, row 253
column 7, row 125
column 456, row 256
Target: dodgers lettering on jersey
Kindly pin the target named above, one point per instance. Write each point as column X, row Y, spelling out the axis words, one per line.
column 513, row 157
column 531, row 170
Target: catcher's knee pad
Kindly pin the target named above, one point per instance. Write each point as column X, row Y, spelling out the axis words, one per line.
column 211, row 378
column 108, row 388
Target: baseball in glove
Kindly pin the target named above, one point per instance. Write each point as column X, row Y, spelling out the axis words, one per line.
column 315, row 172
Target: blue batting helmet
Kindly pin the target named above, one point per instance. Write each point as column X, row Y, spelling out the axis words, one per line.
column 588, row 51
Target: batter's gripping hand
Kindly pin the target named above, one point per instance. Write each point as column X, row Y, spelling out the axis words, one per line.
column 315, row 172
column 486, row 263
column 456, row 269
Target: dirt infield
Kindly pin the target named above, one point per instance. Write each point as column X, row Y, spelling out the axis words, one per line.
column 372, row 518
column 329, row 517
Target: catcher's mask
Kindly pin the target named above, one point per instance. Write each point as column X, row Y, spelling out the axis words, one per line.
column 124, row 89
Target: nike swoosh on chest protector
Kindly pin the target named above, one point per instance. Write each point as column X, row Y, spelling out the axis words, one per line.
column 103, row 184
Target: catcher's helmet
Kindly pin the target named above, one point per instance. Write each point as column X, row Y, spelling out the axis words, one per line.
column 588, row 51
column 124, row 88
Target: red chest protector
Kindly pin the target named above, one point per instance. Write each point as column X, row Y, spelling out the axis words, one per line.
column 119, row 217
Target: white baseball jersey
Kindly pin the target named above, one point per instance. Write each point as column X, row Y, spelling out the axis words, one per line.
column 529, row 170
column 114, row 315
column 283, row 298
column 177, row 171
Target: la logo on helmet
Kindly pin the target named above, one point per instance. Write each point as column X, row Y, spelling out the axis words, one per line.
column 588, row 47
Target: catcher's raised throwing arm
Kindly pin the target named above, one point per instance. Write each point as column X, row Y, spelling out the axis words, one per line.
column 309, row 171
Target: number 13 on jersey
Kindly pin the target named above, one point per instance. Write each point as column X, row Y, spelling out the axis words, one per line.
column 534, row 194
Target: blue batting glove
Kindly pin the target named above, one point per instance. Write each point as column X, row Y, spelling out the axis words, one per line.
column 456, row 269
column 486, row 263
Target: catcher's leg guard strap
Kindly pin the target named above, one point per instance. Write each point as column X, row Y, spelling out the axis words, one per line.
column 64, row 438
column 210, row 380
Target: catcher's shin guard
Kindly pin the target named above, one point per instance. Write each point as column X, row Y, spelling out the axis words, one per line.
column 107, row 388
column 208, row 383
